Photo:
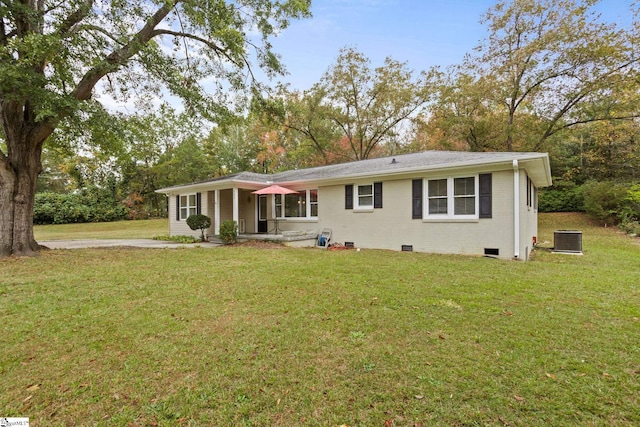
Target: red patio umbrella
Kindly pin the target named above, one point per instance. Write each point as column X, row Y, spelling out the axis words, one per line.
column 274, row 189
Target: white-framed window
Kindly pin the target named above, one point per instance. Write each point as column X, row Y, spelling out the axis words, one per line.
column 188, row 205
column 452, row 197
column 303, row 204
column 364, row 196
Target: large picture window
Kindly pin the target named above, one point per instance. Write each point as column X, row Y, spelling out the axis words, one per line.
column 303, row 204
column 188, row 206
column 452, row 197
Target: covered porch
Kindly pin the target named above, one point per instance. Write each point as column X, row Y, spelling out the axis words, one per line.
column 261, row 209
column 260, row 216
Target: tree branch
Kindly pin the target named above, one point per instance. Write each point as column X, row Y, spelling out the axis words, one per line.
column 206, row 42
column 118, row 57
column 73, row 19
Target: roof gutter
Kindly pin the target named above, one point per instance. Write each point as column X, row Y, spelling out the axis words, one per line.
column 516, row 209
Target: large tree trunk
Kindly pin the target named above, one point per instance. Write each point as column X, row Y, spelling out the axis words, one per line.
column 17, row 194
column 19, row 170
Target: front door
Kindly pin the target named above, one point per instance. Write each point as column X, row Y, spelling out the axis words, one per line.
column 262, row 213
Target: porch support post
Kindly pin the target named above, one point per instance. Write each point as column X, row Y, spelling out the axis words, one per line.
column 216, row 213
column 236, row 215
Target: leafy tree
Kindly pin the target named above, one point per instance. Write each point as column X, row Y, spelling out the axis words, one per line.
column 308, row 115
column 355, row 112
column 185, row 163
column 558, row 61
column 148, row 137
column 370, row 105
column 53, row 55
column 234, row 146
column 460, row 118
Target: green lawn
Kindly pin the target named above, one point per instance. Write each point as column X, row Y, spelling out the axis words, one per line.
column 142, row 229
column 281, row 337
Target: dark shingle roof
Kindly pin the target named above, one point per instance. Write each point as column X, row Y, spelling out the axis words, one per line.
column 403, row 162
column 385, row 165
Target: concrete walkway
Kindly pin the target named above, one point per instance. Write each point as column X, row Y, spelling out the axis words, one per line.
column 112, row 243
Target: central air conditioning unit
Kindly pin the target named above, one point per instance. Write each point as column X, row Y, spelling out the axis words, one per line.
column 567, row 241
column 241, row 226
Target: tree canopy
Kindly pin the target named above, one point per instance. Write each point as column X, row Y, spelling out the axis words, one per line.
column 355, row 111
column 545, row 67
column 53, row 55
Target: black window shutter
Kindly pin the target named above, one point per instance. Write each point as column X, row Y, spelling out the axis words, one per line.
column 198, row 203
column 485, row 195
column 377, row 195
column 348, row 196
column 178, row 208
column 416, row 198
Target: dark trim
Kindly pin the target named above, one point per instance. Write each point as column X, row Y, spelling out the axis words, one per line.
column 485, row 195
column 348, row 196
column 178, row 208
column 377, row 195
column 416, row 199
column 198, row 203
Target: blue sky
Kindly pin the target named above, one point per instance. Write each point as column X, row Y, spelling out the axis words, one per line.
column 423, row 33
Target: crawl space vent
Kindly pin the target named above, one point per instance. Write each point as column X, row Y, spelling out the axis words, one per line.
column 407, row 248
column 491, row 252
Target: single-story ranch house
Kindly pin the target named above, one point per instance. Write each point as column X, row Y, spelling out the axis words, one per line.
column 433, row 201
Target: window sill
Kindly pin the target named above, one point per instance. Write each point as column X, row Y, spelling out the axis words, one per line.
column 310, row 219
column 362, row 210
column 454, row 220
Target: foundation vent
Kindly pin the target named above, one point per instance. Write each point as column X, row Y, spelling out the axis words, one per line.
column 491, row 252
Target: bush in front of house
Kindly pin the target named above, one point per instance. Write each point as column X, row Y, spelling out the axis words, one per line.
column 199, row 222
column 228, row 231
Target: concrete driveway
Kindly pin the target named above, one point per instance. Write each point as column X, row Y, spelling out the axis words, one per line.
column 112, row 243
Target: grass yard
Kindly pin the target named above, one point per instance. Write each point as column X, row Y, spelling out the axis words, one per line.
column 141, row 229
column 239, row 336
